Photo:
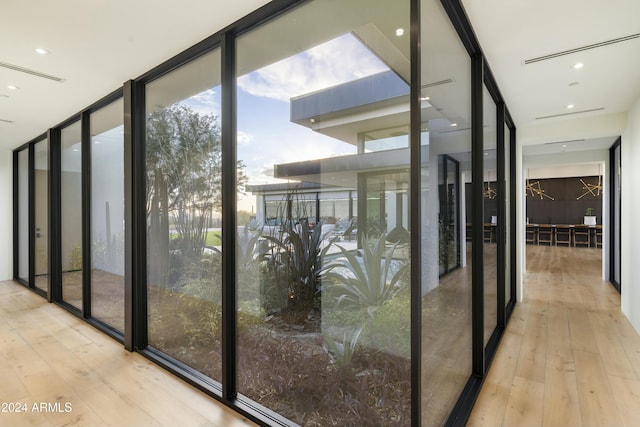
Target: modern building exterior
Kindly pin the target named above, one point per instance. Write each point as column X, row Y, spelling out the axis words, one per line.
column 314, row 215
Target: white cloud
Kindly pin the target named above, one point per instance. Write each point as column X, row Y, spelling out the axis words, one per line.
column 337, row 61
column 244, row 138
column 207, row 102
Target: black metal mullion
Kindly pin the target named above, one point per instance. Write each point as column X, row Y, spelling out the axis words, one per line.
column 477, row 222
column 460, row 224
column 32, row 218
column 85, row 151
column 55, row 217
column 512, row 213
column 16, row 214
column 501, row 199
column 135, row 333
column 415, row 215
column 614, row 215
column 229, row 220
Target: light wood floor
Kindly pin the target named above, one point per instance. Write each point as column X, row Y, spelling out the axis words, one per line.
column 569, row 356
column 47, row 356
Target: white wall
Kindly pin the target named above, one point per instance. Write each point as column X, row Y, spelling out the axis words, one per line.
column 630, row 225
column 6, row 215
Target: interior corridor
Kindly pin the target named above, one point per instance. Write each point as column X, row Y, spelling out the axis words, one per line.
column 569, row 357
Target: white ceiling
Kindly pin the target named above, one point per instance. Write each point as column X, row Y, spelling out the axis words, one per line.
column 96, row 45
column 512, row 31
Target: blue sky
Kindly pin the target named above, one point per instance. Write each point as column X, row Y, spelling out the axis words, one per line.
column 265, row 134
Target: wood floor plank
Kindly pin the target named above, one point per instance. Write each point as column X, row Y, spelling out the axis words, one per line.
column 561, row 402
column 493, row 401
column 532, row 360
column 524, row 407
column 627, row 396
column 597, row 401
column 581, row 331
column 610, row 346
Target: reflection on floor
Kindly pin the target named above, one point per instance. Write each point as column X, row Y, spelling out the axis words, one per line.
column 569, row 356
column 446, row 345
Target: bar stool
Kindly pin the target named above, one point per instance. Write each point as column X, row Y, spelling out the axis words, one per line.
column 531, row 235
column 488, row 233
column 598, row 236
column 545, row 234
column 581, row 236
column 563, row 235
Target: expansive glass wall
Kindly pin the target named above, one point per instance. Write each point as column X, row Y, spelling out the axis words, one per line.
column 71, row 210
column 323, row 320
column 445, row 179
column 490, row 209
column 41, row 208
column 323, row 303
column 183, row 200
column 23, row 215
column 107, row 215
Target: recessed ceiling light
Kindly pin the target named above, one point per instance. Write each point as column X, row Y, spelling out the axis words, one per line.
column 97, row 142
column 42, row 51
column 578, row 65
column 76, row 149
column 400, row 32
column 486, row 154
column 12, row 87
column 564, row 145
column 312, row 120
column 570, row 106
column 424, row 98
column 453, row 124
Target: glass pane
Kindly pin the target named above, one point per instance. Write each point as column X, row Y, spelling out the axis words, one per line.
column 184, row 249
column 507, row 223
column 490, row 217
column 41, row 200
column 446, row 205
column 107, row 215
column 71, row 202
column 324, row 302
column 23, row 215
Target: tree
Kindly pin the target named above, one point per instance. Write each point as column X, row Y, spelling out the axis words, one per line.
column 184, row 173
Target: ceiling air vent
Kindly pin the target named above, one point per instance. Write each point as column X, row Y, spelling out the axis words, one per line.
column 582, row 48
column 564, row 142
column 441, row 82
column 31, row 72
column 454, row 130
column 570, row 114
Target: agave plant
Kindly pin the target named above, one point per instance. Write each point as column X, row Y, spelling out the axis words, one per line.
column 341, row 353
column 298, row 257
column 248, row 247
column 369, row 281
